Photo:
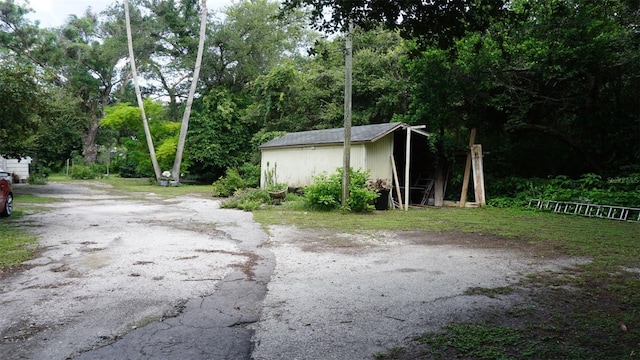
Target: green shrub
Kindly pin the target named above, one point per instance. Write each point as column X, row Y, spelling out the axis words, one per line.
column 361, row 199
column 326, row 191
column 82, row 172
column 228, row 184
column 98, row 169
column 589, row 188
column 37, row 179
column 250, row 174
column 247, row 199
column 128, row 169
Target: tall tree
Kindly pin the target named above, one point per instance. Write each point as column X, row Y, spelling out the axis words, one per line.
column 249, row 41
column 302, row 95
column 145, row 123
column 168, row 34
column 20, row 105
column 431, row 22
column 194, row 83
column 552, row 88
column 81, row 56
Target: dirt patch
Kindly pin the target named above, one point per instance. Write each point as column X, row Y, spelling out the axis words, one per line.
column 143, row 263
column 246, row 267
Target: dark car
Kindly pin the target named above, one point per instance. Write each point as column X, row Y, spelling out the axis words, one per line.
column 6, row 195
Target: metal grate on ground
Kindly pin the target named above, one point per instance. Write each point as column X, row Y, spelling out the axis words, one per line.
column 590, row 210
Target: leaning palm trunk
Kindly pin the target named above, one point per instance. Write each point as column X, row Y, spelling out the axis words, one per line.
column 192, row 91
column 145, row 123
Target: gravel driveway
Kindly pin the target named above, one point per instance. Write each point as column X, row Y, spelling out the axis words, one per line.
column 111, row 266
column 148, row 278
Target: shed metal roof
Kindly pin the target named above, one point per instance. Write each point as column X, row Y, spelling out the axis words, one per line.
column 364, row 133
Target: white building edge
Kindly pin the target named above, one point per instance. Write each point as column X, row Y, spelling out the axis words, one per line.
column 17, row 167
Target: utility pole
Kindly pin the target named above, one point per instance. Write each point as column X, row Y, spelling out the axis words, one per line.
column 347, row 115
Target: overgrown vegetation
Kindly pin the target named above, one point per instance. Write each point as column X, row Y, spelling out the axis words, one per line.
column 246, row 176
column 37, row 179
column 247, row 199
column 326, row 192
column 589, row 188
column 228, row 184
column 83, row 172
column 486, row 65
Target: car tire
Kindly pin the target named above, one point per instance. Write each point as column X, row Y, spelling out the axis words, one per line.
column 8, row 206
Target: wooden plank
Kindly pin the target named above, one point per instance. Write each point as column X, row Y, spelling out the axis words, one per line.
column 407, row 173
column 457, row 204
column 467, row 170
column 395, row 178
column 478, row 174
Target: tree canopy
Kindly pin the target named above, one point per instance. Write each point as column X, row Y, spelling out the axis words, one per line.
column 552, row 86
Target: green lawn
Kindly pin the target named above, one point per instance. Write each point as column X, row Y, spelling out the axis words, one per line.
column 134, row 187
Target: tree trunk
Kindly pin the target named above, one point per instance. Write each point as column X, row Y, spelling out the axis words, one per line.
column 89, row 146
column 194, row 83
column 145, row 123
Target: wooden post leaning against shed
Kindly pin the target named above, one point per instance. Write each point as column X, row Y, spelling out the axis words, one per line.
column 395, row 178
column 478, row 175
column 467, row 170
column 407, row 173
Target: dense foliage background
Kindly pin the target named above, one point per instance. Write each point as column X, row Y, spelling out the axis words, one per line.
column 553, row 86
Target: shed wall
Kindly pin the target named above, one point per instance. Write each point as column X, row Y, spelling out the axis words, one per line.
column 379, row 159
column 13, row 166
column 296, row 166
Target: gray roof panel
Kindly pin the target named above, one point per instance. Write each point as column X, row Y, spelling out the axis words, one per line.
column 364, row 133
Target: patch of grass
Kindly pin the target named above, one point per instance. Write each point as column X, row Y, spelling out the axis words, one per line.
column 474, row 341
column 489, row 292
column 521, row 310
column 393, row 353
column 30, row 203
column 134, row 187
column 16, row 245
column 33, row 199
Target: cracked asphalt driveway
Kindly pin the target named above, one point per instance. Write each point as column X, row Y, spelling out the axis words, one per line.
column 123, row 278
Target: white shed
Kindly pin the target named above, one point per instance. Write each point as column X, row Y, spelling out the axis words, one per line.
column 18, row 167
column 301, row 156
